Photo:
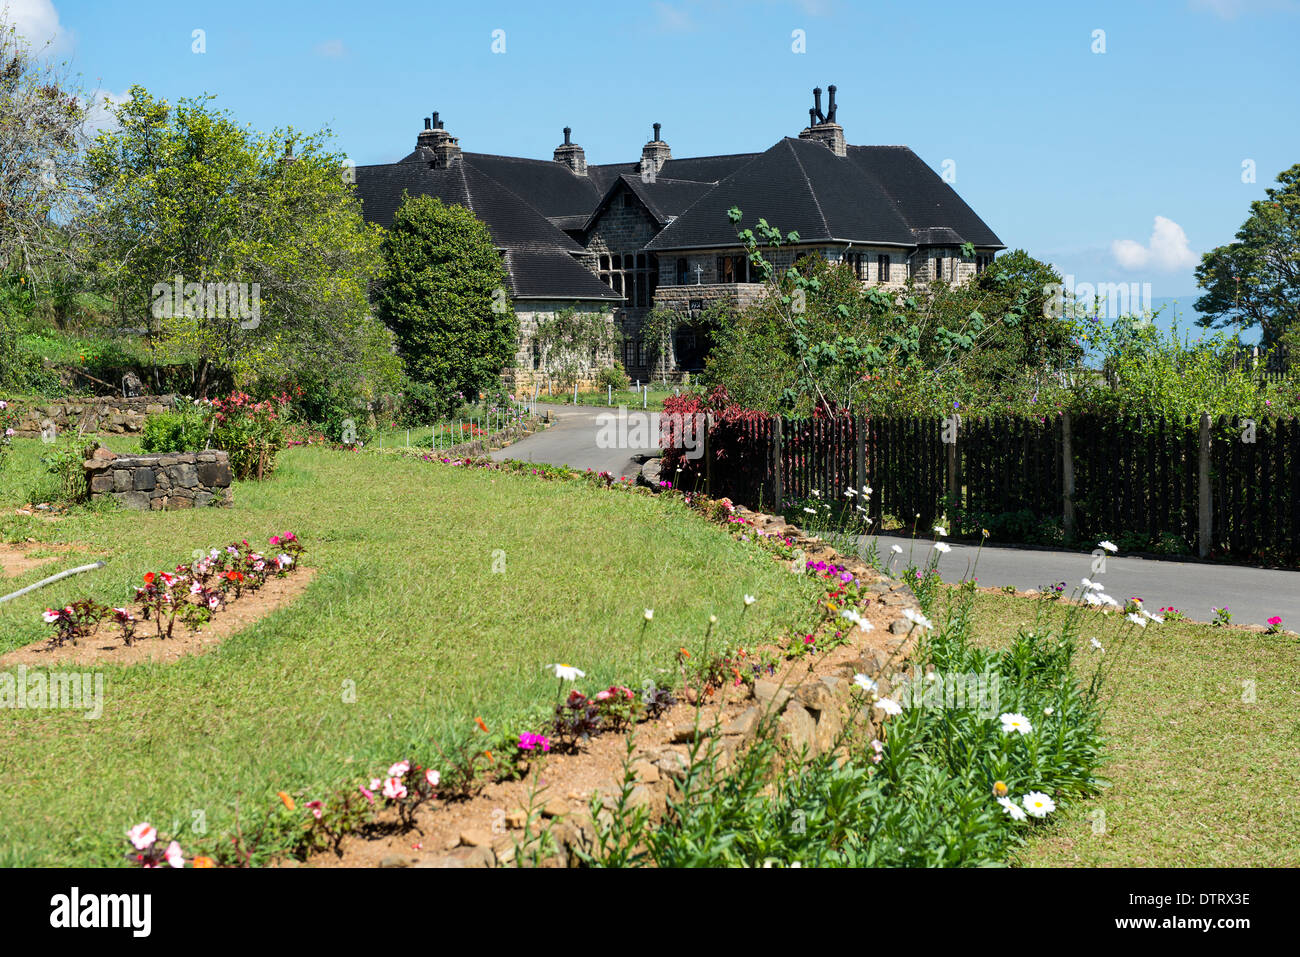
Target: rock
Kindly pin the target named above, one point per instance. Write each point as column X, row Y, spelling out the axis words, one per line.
column 900, row 626
column 673, row 763
column 102, row 454
column 555, row 808
column 688, row 732
column 771, row 695
column 395, row 860
column 744, row 725
column 516, row 818
column 829, row 725
column 462, row 857
column 797, row 726
column 476, row 837
column 814, row 695
column 645, row 771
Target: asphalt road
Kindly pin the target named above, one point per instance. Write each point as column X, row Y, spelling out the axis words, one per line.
column 575, row 440
column 1253, row 595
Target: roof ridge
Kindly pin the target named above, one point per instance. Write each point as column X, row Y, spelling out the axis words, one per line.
column 811, row 192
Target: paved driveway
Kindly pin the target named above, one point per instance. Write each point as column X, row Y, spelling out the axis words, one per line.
column 1253, row 595
column 574, row 440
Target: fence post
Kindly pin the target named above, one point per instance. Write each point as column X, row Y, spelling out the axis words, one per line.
column 1067, row 478
column 776, row 465
column 860, row 455
column 953, row 490
column 1205, row 512
column 708, row 456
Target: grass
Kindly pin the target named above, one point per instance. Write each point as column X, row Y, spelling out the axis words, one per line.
column 405, row 605
column 1200, row 777
column 631, row 398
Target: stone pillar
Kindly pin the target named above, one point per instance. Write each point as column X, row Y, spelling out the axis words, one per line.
column 653, row 156
column 571, row 155
column 831, row 134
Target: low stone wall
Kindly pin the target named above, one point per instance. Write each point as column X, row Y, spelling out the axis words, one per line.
column 167, row 481
column 88, row 414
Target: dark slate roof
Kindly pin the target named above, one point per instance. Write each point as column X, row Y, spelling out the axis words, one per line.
column 922, row 197
column 550, row 274
column 663, row 198
column 879, row 196
column 539, row 256
column 511, row 221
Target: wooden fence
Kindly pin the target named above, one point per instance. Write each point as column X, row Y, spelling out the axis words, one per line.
column 1225, row 486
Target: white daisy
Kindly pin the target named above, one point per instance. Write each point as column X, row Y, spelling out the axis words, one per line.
column 1014, row 721
column 1096, row 644
column 942, row 548
column 889, row 706
column 568, row 672
column 1137, row 620
column 916, row 618
column 649, row 614
column 1012, row 808
column 863, row 682
column 1038, row 804
column 896, row 549
column 749, row 599
column 1108, row 545
column 940, row 530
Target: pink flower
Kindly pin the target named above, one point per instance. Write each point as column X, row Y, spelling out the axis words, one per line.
column 368, row 794
column 316, row 808
column 174, row 856
column 1275, row 620
column 142, row 835
column 50, row 616
column 399, row 769
column 433, row 777
column 394, row 789
column 376, row 784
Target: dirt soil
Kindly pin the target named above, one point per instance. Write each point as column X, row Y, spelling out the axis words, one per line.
column 19, row 559
column 105, row 647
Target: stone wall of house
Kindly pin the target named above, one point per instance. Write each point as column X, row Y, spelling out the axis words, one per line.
column 88, row 414
column 527, row 370
column 168, row 481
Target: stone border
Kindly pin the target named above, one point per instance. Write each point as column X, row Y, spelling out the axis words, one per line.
column 810, row 713
column 87, row 414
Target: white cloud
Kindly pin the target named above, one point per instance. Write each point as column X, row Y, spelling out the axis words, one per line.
column 1167, row 250
column 331, row 48
column 37, row 21
column 670, row 19
column 100, row 116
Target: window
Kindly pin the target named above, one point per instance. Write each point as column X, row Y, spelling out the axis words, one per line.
column 681, row 272
column 938, row 266
column 982, row 262
column 858, row 262
column 732, row 269
column 882, row 268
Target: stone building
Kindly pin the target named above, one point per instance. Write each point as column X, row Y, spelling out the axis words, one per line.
column 627, row 237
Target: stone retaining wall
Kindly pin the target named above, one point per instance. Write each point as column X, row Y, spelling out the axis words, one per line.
column 88, row 414
column 168, row 481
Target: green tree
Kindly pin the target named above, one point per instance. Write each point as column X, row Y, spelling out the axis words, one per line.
column 265, row 243
column 1255, row 281
column 442, row 292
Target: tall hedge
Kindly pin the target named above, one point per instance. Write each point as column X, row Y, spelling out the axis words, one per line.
column 444, row 294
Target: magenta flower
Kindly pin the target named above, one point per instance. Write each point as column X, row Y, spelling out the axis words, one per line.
column 394, row 789
column 1275, row 620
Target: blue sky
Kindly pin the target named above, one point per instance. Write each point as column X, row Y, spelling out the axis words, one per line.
column 1117, row 166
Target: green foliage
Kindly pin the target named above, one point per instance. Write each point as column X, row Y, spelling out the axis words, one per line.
column 572, row 343
column 928, row 798
column 186, row 191
column 442, row 292
column 819, row 338
column 185, row 428
column 613, row 377
column 64, row 478
column 1255, row 281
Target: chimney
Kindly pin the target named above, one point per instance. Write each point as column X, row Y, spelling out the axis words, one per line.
column 440, row 147
column 571, row 155
column 822, row 127
column 653, row 156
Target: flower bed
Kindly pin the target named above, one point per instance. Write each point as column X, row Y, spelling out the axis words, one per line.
column 192, row 594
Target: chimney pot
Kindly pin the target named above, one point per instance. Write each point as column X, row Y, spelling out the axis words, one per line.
column 567, row 132
column 657, row 127
column 426, row 123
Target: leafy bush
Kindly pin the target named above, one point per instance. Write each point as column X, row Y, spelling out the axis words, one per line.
column 949, row 786
column 183, row 429
column 252, row 433
column 613, row 377
column 64, row 480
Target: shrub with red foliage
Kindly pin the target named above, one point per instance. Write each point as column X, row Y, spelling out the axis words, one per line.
column 737, row 441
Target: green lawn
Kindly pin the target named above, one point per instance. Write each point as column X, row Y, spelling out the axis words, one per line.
column 632, row 398
column 1200, row 777
column 405, row 604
